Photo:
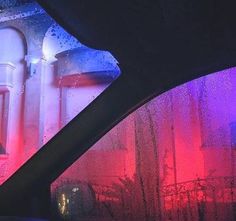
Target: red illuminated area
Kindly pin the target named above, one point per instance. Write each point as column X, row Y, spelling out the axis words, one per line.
column 172, row 159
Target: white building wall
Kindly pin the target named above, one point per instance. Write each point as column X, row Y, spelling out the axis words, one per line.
column 13, row 50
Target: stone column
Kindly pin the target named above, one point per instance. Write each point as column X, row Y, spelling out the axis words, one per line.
column 32, row 104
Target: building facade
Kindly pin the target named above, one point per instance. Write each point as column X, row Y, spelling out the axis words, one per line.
column 47, row 78
column 172, row 159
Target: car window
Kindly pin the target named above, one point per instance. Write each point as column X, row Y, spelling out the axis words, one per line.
column 47, row 78
column 172, row 159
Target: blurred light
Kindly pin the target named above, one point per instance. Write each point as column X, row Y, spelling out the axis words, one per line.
column 75, row 189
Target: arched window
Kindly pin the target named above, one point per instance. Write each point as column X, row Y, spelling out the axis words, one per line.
column 12, row 79
column 11, row 83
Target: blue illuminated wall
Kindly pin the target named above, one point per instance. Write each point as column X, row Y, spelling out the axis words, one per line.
column 47, row 78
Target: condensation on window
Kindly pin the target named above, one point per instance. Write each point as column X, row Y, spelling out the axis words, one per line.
column 47, row 77
column 172, row 159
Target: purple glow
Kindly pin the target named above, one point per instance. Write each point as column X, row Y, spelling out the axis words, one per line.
column 172, row 159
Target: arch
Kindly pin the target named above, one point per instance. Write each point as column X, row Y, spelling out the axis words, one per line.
column 57, row 40
column 12, row 40
column 13, row 49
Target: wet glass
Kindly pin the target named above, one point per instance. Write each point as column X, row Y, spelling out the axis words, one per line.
column 47, row 77
column 174, row 158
